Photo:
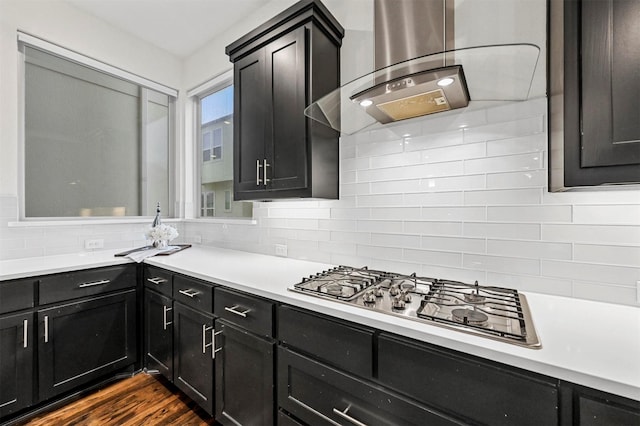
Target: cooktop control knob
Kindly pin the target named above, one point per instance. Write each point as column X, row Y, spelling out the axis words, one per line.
column 406, row 296
column 394, row 290
column 369, row 297
column 377, row 291
column 398, row 302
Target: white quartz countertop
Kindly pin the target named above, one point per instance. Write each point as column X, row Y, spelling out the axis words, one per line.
column 589, row 343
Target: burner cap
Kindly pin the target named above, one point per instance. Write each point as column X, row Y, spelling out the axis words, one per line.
column 334, row 289
column 468, row 316
column 474, row 298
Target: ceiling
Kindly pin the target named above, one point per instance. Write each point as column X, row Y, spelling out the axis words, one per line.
column 178, row 26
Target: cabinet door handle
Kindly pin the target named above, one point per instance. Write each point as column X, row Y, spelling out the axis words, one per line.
column 46, row 328
column 25, row 333
column 264, row 170
column 156, row 280
column 93, row 283
column 205, row 345
column 234, row 310
column 189, row 292
column 258, row 165
column 213, row 341
column 165, row 309
column 347, row 417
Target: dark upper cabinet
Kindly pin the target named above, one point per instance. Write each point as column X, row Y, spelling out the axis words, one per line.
column 280, row 68
column 16, row 362
column 594, row 92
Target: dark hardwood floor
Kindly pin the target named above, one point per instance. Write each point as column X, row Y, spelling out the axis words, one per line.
column 139, row 400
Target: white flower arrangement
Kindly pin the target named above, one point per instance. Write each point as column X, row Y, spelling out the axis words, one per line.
column 162, row 233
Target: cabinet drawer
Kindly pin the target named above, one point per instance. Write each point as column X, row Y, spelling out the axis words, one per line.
column 248, row 312
column 16, row 295
column 469, row 387
column 319, row 395
column 194, row 293
column 158, row 279
column 72, row 285
column 335, row 342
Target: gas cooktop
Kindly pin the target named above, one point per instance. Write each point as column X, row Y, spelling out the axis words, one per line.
column 493, row 312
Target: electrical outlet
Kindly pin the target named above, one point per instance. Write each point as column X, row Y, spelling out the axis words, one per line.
column 281, row 250
column 197, row 239
column 638, row 291
column 94, row 244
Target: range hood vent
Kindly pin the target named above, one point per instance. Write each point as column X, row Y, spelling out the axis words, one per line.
column 419, row 72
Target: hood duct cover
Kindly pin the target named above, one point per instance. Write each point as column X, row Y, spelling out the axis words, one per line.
column 419, row 72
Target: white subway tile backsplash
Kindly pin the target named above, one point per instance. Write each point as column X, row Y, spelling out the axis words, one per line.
column 459, row 244
column 396, row 213
column 603, row 292
column 504, row 264
column 535, row 284
column 597, row 234
column 520, row 162
column 518, row 145
column 609, row 215
column 531, row 178
column 611, row 274
column 607, row 254
column 459, row 195
column 503, row 197
column 433, row 228
column 517, row 231
column 454, row 213
column 432, row 257
column 529, row 213
column 530, row 249
column 504, row 130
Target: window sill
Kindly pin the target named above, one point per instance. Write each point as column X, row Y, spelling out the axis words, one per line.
column 84, row 222
column 227, row 220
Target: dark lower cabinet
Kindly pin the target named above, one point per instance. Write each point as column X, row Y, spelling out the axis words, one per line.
column 84, row 340
column 16, row 362
column 158, row 333
column 594, row 408
column 465, row 386
column 244, row 371
column 318, row 394
column 193, row 352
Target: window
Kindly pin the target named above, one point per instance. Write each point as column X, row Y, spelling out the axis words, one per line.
column 215, row 139
column 208, row 204
column 95, row 143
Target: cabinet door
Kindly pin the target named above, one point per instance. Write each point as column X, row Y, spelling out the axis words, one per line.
column 16, row 362
column 193, row 354
column 286, row 65
column 158, row 337
column 85, row 340
column 244, row 377
column 250, row 109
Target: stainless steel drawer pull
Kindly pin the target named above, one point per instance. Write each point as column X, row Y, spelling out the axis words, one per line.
column 156, row 280
column 93, row 283
column 205, row 345
column 258, row 165
column 347, row 417
column 189, row 292
column 25, row 333
column 234, row 310
column 165, row 309
column 46, row 328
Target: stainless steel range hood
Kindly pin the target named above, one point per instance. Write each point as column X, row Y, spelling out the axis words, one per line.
column 419, row 71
